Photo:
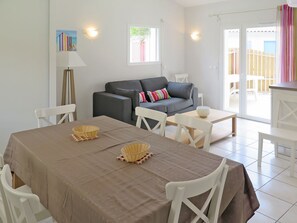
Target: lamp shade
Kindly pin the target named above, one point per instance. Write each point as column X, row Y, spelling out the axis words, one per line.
column 292, row 3
column 69, row 59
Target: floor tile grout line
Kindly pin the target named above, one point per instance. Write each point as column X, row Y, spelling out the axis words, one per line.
column 276, row 197
column 263, row 185
column 259, row 174
column 285, row 213
column 267, row 216
column 266, row 175
column 275, row 178
column 285, row 183
column 279, row 217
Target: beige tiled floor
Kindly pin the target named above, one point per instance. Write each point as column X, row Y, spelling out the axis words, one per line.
column 276, row 190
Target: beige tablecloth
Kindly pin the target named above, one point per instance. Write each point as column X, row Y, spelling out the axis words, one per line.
column 83, row 182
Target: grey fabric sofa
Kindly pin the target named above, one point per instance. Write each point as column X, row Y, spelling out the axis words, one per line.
column 121, row 97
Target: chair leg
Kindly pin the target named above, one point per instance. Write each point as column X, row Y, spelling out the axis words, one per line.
column 260, row 148
column 292, row 160
column 276, row 149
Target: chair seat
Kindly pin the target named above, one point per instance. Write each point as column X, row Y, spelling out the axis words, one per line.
column 280, row 133
column 278, row 136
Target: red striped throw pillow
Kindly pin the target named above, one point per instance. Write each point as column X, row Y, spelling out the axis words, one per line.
column 158, row 95
column 142, row 97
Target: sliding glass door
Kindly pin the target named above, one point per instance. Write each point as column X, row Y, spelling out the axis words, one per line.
column 249, row 69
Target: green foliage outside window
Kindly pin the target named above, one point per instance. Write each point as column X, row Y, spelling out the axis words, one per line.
column 140, row 31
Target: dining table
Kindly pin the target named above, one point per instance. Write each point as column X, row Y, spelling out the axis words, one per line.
column 85, row 182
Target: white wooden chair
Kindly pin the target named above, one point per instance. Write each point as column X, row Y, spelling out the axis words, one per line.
column 4, row 210
column 23, row 207
column 2, row 207
column 183, row 78
column 202, row 130
column 281, row 132
column 180, row 192
column 145, row 113
column 43, row 114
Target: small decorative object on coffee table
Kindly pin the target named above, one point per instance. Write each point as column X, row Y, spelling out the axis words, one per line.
column 203, row 111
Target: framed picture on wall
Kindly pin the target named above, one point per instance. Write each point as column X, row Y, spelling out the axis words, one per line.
column 66, row 40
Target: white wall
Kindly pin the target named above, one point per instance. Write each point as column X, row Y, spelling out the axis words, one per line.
column 24, row 49
column 23, row 64
column 203, row 57
column 106, row 56
column 27, row 55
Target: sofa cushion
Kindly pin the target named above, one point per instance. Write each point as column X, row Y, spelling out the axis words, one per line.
column 180, row 90
column 132, row 85
column 175, row 104
column 153, row 84
column 155, row 106
column 142, row 97
column 133, row 94
column 158, row 95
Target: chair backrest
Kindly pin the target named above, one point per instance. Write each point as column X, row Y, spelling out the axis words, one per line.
column 145, row 113
column 285, row 112
column 43, row 114
column 183, row 78
column 184, row 122
column 22, row 206
column 180, row 192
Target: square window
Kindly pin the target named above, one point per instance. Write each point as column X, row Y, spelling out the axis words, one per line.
column 144, row 45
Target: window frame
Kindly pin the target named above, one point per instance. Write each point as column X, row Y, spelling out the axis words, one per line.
column 158, row 45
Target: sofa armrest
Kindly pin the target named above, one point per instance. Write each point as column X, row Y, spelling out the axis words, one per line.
column 180, row 90
column 195, row 97
column 112, row 105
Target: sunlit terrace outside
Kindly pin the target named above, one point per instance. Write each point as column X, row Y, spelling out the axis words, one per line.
column 260, row 72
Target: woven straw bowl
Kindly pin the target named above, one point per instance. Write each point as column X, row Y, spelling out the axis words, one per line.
column 87, row 131
column 135, row 151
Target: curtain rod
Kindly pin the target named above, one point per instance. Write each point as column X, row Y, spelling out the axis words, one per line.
column 239, row 12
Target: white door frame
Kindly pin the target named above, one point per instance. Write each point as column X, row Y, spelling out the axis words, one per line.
column 222, row 61
column 242, row 67
column 52, row 55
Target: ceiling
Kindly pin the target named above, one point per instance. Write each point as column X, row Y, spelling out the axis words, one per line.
column 189, row 3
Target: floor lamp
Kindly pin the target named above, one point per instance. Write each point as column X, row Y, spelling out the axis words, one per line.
column 69, row 59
